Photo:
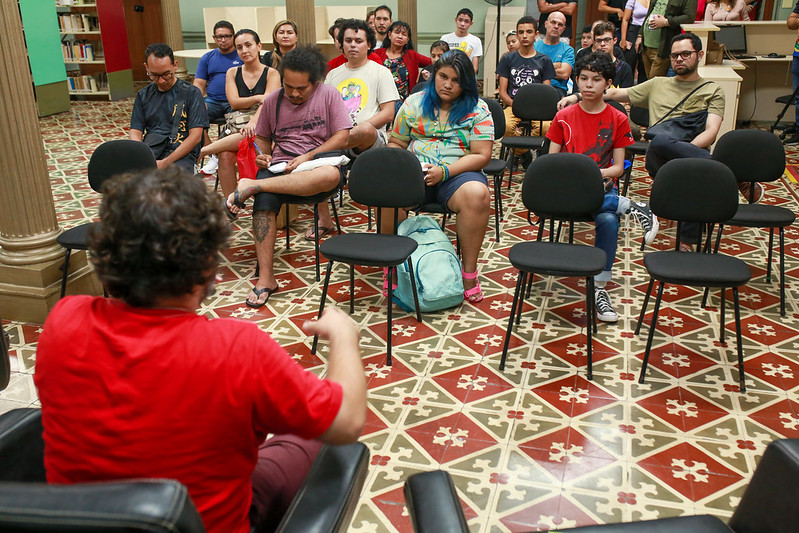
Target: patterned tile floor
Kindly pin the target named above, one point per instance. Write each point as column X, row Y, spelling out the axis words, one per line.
column 537, row 446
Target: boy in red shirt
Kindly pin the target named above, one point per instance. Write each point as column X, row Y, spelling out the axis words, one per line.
column 601, row 132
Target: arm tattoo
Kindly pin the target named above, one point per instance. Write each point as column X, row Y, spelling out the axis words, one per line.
column 260, row 225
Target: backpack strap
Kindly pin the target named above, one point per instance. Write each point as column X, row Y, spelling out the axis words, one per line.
column 274, row 130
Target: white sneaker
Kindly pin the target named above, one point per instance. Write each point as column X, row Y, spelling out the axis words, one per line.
column 211, row 166
column 604, row 309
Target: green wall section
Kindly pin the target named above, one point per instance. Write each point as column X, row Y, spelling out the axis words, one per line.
column 44, row 43
column 434, row 17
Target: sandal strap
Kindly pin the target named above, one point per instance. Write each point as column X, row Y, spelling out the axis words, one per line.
column 469, row 275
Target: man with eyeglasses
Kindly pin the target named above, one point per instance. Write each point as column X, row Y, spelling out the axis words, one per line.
column 661, row 95
column 169, row 114
column 605, row 41
column 210, row 79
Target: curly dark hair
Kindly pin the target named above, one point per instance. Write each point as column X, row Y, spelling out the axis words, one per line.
column 159, row 50
column 308, row 59
column 159, row 236
column 598, row 62
column 356, row 25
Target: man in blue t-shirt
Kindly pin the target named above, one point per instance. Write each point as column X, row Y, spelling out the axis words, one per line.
column 210, row 75
column 561, row 54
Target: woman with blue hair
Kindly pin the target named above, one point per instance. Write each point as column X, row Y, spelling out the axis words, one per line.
column 450, row 130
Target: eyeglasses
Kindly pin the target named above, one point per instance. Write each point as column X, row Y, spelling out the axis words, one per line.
column 168, row 75
column 223, row 37
column 685, row 54
column 604, row 40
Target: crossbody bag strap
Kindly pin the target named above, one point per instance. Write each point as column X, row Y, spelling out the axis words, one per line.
column 277, row 117
column 183, row 90
column 681, row 102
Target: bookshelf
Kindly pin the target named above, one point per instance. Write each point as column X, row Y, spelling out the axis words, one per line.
column 44, row 56
column 94, row 48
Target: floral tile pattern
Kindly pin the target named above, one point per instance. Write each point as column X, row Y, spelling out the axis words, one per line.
column 536, row 446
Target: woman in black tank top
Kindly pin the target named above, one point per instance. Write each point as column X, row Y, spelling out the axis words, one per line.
column 245, row 87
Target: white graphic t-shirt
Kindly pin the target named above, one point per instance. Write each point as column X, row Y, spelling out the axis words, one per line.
column 363, row 89
column 469, row 44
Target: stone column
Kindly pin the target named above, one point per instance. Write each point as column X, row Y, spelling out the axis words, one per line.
column 302, row 12
column 407, row 12
column 173, row 32
column 29, row 255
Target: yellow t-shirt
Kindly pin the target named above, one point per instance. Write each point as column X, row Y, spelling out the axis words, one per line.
column 660, row 94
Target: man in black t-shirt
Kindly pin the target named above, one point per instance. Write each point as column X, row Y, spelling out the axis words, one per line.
column 604, row 41
column 154, row 111
column 567, row 7
column 520, row 68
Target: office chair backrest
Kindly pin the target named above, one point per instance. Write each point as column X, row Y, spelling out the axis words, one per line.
column 563, row 185
column 119, row 156
column 639, row 115
column 536, row 101
column 387, row 177
column 752, row 155
column 694, row 190
column 498, row 115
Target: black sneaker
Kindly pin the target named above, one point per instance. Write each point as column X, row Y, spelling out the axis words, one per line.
column 604, row 309
column 644, row 217
column 793, row 139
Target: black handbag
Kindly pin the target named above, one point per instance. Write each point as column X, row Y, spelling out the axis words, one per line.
column 682, row 128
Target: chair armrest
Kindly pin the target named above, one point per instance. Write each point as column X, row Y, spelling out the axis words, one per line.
column 152, row 506
column 22, row 446
column 433, row 503
column 769, row 504
column 328, row 497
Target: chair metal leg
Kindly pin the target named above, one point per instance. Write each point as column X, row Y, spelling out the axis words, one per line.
column 288, row 240
column 525, row 276
column 335, row 214
column 65, row 267
column 369, row 218
column 389, row 305
column 705, row 295
column 516, row 301
column 413, row 288
column 589, row 324
column 782, row 271
column 352, row 288
column 723, row 313
column 652, row 327
column 770, row 254
column 497, row 206
column 322, row 303
column 643, row 307
column 510, row 167
column 529, row 285
column 741, row 374
column 627, row 175
column 316, row 238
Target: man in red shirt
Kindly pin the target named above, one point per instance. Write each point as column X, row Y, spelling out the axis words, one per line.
column 141, row 386
column 601, row 132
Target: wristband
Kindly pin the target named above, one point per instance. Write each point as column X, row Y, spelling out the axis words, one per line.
column 579, row 98
column 445, row 171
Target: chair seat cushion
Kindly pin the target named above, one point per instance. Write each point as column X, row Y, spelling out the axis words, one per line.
column 637, row 148
column 523, row 142
column 558, row 259
column 496, row 166
column 683, row 524
column 697, row 269
column 432, row 207
column 368, row 249
column 76, row 238
column 762, row 216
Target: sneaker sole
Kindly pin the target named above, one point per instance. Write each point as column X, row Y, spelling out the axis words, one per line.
column 607, row 319
column 653, row 231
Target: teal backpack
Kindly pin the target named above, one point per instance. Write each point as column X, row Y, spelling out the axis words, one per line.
column 436, row 268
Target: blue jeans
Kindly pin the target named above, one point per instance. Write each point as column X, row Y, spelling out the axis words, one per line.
column 216, row 108
column 606, row 222
column 795, row 73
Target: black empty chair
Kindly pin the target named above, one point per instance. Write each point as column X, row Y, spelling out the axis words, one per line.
column 534, row 102
column 563, row 186
column 496, row 167
column 380, row 178
column 735, row 149
column 700, row 191
column 109, row 159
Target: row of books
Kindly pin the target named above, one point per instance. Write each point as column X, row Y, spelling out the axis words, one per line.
column 79, row 51
column 62, row 3
column 78, row 23
column 88, row 84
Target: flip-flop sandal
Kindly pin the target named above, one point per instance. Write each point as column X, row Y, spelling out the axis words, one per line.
column 237, row 202
column 258, row 292
column 322, row 232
